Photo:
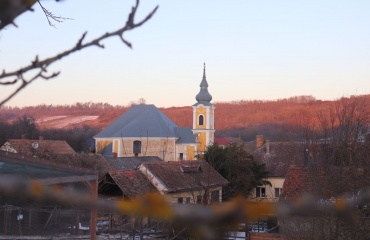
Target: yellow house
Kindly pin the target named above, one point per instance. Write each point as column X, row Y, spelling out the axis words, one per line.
column 278, row 157
column 145, row 131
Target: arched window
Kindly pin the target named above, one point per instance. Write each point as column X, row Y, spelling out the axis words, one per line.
column 201, row 120
column 137, row 147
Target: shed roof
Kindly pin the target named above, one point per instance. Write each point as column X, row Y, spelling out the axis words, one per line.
column 188, row 175
column 132, row 182
column 33, row 167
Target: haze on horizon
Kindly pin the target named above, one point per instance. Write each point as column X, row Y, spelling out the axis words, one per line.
column 254, row 50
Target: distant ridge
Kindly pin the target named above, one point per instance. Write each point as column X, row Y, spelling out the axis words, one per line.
column 241, row 114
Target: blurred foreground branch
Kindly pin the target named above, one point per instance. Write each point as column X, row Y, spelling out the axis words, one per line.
column 40, row 66
column 219, row 216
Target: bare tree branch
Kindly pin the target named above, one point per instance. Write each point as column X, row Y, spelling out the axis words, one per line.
column 49, row 15
column 44, row 64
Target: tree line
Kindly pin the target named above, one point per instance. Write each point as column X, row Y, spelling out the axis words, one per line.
column 79, row 138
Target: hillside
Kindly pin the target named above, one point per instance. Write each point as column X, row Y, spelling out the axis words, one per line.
column 281, row 119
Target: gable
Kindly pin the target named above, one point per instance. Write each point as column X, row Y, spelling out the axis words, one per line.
column 7, row 147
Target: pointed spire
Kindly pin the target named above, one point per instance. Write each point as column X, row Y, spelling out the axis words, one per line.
column 204, row 71
column 203, row 96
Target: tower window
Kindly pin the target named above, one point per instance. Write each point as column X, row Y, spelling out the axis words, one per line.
column 137, row 147
column 201, row 120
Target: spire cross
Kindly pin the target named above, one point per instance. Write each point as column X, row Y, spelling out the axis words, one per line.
column 204, row 70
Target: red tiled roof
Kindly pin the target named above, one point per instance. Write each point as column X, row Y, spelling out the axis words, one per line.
column 131, row 182
column 197, row 175
column 325, row 182
column 45, row 147
column 221, row 141
column 297, row 182
column 280, row 156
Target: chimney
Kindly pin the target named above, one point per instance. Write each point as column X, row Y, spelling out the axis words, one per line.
column 267, row 146
column 259, row 141
column 41, row 138
column 24, row 136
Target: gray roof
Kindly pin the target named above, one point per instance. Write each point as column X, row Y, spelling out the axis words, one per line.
column 140, row 121
column 126, row 163
column 203, row 97
column 185, row 135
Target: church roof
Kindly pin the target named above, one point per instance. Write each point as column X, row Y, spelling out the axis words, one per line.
column 185, row 135
column 140, row 121
column 203, row 97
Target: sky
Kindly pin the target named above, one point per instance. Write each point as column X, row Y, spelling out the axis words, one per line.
column 253, row 50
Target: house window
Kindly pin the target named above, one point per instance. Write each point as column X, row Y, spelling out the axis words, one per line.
column 137, row 147
column 215, row 196
column 187, row 200
column 201, row 120
column 181, row 156
column 260, row 192
column 180, row 200
column 199, row 199
column 278, row 192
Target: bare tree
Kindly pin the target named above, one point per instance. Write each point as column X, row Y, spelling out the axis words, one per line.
column 38, row 69
column 337, row 170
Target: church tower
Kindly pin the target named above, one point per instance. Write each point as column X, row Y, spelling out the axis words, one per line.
column 203, row 116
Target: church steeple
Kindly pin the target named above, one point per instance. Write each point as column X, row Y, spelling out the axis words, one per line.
column 203, row 96
column 203, row 116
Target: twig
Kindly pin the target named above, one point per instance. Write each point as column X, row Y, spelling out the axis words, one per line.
column 44, row 64
column 49, row 15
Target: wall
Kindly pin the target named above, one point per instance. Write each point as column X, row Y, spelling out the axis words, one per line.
column 101, row 144
column 163, row 148
column 270, row 191
column 172, row 197
column 187, row 149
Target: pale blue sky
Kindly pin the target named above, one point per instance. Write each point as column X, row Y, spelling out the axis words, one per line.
column 260, row 49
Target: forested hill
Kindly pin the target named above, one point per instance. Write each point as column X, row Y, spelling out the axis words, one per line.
column 278, row 119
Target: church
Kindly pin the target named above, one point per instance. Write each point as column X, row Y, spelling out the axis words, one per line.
column 145, row 131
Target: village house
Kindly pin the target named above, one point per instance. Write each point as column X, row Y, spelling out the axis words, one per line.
column 179, row 181
column 278, row 157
